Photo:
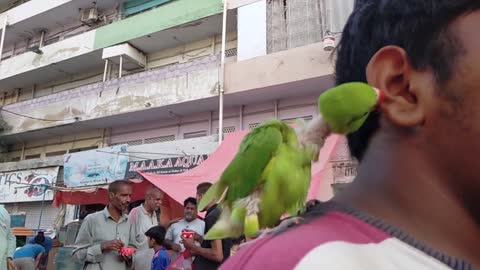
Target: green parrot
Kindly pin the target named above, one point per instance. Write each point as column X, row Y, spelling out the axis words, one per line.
column 270, row 174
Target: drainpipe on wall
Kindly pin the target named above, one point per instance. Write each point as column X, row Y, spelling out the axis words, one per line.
column 42, row 38
column 276, row 108
column 241, row 117
column 2, row 38
column 22, row 156
column 105, row 71
column 120, row 67
column 221, row 80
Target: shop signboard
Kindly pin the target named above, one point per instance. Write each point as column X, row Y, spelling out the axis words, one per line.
column 172, row 165
column 95, row 167
column 27, row 185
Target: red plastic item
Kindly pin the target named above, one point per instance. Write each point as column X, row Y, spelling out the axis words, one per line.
column 187, row 234
column 127, row 251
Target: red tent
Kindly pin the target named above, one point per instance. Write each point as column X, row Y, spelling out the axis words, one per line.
column 178, row 187
column 181, row 186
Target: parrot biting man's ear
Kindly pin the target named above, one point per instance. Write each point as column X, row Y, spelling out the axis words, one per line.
column 270, row 174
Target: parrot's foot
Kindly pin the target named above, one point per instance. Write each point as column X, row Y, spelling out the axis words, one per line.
column 282, row 227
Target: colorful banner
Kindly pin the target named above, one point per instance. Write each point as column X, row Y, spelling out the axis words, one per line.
column 94, row 167
column 172, row 165
column 27, row 185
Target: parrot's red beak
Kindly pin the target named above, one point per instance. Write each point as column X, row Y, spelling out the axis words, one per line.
column 380, row 96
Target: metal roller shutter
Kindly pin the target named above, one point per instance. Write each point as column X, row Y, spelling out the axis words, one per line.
column 32, row 210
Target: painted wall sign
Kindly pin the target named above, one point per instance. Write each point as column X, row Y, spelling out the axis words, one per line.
column 26, row 185
column 94, row 167
column 165, row 165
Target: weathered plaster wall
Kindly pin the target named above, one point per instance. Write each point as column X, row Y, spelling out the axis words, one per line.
column 68, row 48
column 30, row 9
column 164, row 86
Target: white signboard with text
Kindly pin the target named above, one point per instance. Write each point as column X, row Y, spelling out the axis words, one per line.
column 27, row 185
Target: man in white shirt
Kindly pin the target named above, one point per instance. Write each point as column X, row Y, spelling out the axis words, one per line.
column 190, row 222
column 143, row 218
column 7, row 240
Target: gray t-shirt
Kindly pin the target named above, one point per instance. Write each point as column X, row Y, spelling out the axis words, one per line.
column 174, row 232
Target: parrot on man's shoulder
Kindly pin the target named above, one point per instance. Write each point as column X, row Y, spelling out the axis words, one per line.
column 270, row 174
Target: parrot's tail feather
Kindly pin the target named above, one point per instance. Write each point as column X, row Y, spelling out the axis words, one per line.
column 227, row 225
column 314, row 134
column 221, row 230
column 214, row 193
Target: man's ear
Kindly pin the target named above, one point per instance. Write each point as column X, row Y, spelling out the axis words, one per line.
column 390, row 70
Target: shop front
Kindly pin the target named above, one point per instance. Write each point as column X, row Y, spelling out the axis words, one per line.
column 28, row 195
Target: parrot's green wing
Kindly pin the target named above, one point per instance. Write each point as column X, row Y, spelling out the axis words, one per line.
column 243, row 174
column 286, row 185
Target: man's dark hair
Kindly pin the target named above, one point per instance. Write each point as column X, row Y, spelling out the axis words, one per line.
column 157, row 233
column 114, row 187
column 39, row 238
column 190, row 200
column 421, row 28
column 203, row 187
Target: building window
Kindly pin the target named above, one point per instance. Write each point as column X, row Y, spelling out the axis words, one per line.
column 168, row 138
column 290, row 121
column 14, row 159
column 76, row 150
column 231, row 52
column 32, row 156
column 135, row 142
column 253, row 125
column 196, row 134
column 57, row 153
column 227, row 130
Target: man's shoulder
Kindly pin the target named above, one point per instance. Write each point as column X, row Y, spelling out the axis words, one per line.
column 199, row 222
column 178, row 223
column 93, row 217
column 291, row 246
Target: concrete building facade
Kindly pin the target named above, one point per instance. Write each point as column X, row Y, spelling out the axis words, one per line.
column 79, row 75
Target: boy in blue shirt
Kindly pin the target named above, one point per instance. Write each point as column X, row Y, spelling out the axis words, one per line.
column 28, row 257
column 47, row 244
column 156, row 236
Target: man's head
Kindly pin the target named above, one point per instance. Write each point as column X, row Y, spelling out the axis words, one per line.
column 153, row 199
column 156, row 236
column 39, row 238
column 201, row 190
column 190, row 209
column 429, row 53
column 119, row 195
column 424, row 55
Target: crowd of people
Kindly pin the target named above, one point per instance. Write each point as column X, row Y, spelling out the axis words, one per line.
column 178, row 245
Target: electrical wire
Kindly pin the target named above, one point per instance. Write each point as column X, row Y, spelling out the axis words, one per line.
column 40, row 119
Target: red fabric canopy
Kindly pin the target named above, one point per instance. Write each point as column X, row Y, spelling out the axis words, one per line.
column 181, row 186
column 178, row 187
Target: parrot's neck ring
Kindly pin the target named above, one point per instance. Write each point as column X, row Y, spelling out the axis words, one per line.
column 380, row 96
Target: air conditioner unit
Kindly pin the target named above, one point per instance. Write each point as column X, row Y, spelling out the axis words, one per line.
column 89, row 15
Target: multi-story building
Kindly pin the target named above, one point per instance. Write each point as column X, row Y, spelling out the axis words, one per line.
column 77, row 75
